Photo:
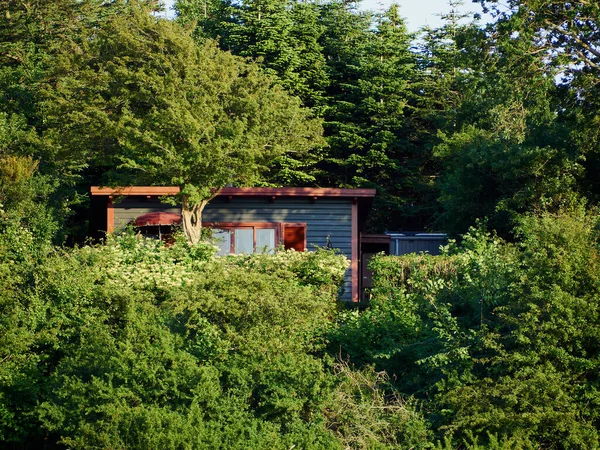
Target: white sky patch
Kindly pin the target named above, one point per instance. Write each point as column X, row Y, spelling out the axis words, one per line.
column 418, row 13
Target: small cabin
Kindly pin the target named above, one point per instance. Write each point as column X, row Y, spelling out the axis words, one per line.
column 251, row 219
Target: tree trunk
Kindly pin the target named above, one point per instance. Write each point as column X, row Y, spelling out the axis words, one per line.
column 191, row 216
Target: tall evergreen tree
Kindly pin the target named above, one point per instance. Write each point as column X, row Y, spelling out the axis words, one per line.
column 282, row 34
column 40, row 41
column 369, row 117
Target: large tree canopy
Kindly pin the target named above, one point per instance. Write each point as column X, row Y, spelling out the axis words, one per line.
column 566, row 35
column 150, row 105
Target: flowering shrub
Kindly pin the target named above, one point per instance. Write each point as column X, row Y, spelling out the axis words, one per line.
column 136, row 344
column 318, row 268
column 148, row 263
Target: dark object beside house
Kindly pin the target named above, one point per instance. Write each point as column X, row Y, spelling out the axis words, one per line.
column 394, row 244
column 407, row 242
column 255, row 219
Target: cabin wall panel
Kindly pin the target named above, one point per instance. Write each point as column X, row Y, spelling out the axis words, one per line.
column 323, row 217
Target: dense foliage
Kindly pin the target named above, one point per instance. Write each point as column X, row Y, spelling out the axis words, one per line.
column 133, row 344
column 463, row 122
column 450, row 126
column 125, row 98
column 136, row 345
column 499, row 340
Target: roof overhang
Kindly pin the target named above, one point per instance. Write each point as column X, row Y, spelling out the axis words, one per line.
column 375, row 239
column 135, row 190
column 297, row 192
column 239, row 192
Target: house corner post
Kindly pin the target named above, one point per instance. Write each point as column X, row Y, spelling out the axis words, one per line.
column 110, row 216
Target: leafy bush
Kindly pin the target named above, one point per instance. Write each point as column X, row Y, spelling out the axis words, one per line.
column 542, row 362
column 500, row 340
column 134, row 344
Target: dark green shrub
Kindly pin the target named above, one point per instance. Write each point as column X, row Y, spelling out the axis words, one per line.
column 136, row 345
column 499, row 340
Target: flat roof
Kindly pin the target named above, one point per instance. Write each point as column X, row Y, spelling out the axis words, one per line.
column 239, row 192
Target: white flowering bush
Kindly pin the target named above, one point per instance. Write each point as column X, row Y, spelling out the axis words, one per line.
column 318, row 268
column 135, row 261
column 147, row 263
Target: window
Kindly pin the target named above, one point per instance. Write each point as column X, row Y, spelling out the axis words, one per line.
column 238, row 238
column 294, row 236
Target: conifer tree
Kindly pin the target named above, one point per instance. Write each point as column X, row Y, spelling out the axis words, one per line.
column 369, row 116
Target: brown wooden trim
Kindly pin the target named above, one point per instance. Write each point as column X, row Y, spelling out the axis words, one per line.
column 239, row 192
column 298, row 192
column 241, row 224
column 355, row 252
column 232, row 226
column 110, row 216
column 135, row 190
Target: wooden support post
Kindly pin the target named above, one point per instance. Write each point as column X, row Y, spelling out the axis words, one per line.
column 110, row 216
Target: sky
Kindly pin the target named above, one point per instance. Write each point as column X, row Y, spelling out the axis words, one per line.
column 418, row 13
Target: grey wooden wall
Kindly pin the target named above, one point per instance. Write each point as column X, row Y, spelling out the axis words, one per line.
column 324, row 217
column 128, row 209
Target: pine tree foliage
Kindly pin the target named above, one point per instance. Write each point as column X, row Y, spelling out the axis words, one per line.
column 283, row 35
column 374, row 123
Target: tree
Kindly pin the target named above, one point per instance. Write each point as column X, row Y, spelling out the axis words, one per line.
column 567, row 36
column 283, row 35
column 505, row 149
column 370, row 121
column 35, row 36
column 151, row 106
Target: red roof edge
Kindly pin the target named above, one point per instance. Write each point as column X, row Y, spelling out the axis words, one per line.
column 135, row 190
column 239, row 192
column 298, row 192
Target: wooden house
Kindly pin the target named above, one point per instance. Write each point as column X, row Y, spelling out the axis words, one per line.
column 254, row 219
